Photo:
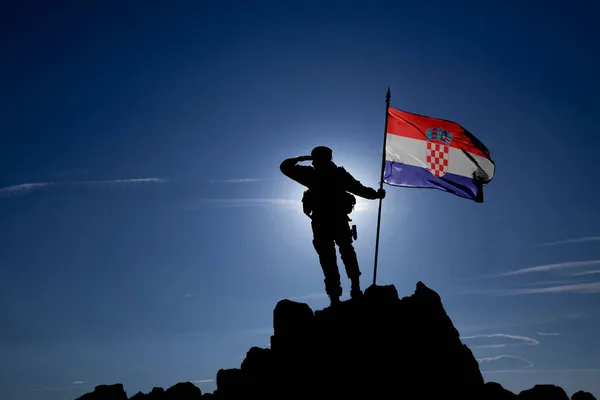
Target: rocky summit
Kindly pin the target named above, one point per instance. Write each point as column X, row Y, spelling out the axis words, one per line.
column 378, row 346
column 375, row 347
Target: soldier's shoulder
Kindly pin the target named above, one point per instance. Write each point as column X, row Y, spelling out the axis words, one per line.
column 342, row 171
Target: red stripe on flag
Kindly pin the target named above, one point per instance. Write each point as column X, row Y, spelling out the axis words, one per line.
column 414, row 126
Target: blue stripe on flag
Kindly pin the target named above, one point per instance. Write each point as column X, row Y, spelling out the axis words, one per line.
column 398, row 174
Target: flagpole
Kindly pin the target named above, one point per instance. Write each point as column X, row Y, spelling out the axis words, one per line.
column 387, row 106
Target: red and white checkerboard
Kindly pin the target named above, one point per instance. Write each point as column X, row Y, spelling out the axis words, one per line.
column 437, row 158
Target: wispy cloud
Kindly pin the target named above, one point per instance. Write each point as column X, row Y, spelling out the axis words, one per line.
column 516, row 340
column 240, row 180
column 584, row 288
column 546, row 283
column 488, row 360
column 254, row 202
column 527, row 322
column 311, row 296
column 551, row 267
column 72, row 386
column 22, row 188
column 575, row 240
column 508, row 371
column 25, row 188
column 117, row 181
column 203, row 381
column 597, row 271
column 548, row 333
column 483, row 291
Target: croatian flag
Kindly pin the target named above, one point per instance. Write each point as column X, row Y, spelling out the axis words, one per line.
column 425, row 152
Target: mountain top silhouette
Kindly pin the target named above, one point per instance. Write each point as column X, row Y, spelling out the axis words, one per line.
column 375, row 347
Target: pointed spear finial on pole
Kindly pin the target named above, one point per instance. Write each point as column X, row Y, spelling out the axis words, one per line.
column 387, row 106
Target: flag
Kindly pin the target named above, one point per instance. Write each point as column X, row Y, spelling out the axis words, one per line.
column 425, row 152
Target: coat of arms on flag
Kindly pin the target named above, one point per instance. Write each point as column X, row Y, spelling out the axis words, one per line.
column 438, row 151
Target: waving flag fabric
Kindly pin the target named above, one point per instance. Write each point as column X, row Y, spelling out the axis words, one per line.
column 425, row 152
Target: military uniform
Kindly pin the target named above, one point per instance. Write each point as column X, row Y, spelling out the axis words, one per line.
column 328, row 202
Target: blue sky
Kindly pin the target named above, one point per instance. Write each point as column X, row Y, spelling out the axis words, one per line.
column 148, row 233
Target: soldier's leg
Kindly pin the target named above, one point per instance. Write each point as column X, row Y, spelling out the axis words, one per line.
column 323, row 242
column 343, row 238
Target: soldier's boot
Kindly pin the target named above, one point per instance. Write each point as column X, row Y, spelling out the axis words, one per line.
column 355, row 291
column 334, row 292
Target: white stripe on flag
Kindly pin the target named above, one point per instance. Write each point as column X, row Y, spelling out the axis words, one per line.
column 413, row 152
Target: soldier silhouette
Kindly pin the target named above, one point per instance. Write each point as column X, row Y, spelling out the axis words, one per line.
column 328, row 201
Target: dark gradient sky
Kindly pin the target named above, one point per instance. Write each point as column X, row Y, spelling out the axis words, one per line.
column 161, row 233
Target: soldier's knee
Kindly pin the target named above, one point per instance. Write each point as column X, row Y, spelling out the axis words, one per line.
column 347, row 248
column 322, row 245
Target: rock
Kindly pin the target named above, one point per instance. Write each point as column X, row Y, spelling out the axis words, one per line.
column 291, row 322
column 581, row 395
column 495, row 391
column 179, row 391
column 183, row 391
column 382, row 294
column 138, row 396
column 544, row 392
column 157, row 393
column 377, row 346
column 232, row 383
column 258, row 364
column 106, row 392
column 291, row 318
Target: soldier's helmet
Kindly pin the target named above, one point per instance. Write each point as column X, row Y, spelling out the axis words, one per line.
column 322, row 153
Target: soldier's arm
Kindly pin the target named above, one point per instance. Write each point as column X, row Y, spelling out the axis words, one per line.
column 357, row 188
column 299, row 173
